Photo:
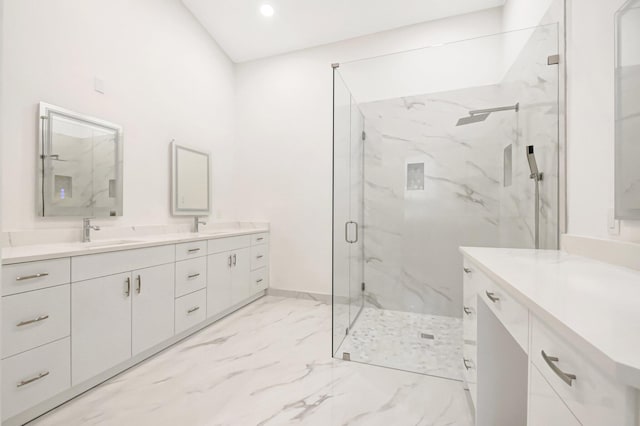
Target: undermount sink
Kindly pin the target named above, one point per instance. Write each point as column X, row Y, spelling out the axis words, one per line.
column 97, row 244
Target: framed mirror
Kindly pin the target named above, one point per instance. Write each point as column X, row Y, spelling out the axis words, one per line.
column 191, row 181
column 79, row 165
column 627, row 146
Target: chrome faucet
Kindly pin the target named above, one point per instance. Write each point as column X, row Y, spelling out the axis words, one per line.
column 196, row 224
column 86, row 230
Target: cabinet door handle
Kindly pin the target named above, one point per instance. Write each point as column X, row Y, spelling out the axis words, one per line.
column 31, row 321
column 139, row 279
column 467, row 310
column 466, row 363
column 259, row 281
column 260, row 239
column 192, row 310
column 260, row 256
column 33, row 379
column 492, row 296
column 230, row 261
column 127, row 292
column 551, row 362
column 192, row 276
column 193, row 250
column 234, row 260
column 466, row 270
column 31, row 277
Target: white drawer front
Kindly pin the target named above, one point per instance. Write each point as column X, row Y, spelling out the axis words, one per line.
column 259, row 280
column 592, row 396
column 35, row 318
column 545, row 406
column 191, row 250
column 191, row 275
column 35, row 376
column 262, row 238
column 220, row 245
column 103, row 264
column 21, row 277
column 511, row 314
column 259, row 256
column 191, row 310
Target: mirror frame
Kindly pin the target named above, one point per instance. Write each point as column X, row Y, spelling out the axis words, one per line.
column 44, row 137
column 175, row 210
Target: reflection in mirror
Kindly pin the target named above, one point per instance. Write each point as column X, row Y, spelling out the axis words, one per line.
column 191, row 181
column 80, row 165
column 628, row 111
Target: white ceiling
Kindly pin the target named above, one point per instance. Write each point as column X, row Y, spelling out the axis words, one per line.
column 245, row 34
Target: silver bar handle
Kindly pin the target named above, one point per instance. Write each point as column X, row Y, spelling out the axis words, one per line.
column 466, row 270
column 492, row 296
column 346, row 232
column 127, row 292
column 234, row 260
column 192, row 276
column 139, row 288
column 551, row 362
column 33, row 379
column 192, row 310
column 230, row 261
column 259, row 281
column 260, row 239
column 31, row 277
column 31, row 321
column 466, row 363
column 467, row 310
column 193, row 250
column 259, row 256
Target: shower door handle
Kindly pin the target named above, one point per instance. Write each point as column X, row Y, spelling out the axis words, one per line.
column 346, row 231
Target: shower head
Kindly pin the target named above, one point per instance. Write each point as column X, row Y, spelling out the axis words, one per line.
column 533, row 164
column 479, row 115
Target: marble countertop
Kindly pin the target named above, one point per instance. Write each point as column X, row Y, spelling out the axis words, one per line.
column 30, row 253
column 595, row 306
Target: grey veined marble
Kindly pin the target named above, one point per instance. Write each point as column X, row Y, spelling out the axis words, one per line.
column 267, row 364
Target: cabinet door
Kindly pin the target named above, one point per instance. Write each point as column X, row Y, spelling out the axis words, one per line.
column 545, row 406
column 241, row 275
column 153, row 304
column 100, row 325
column 218, row 283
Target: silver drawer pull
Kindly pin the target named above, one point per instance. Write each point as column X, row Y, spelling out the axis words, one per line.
column 467, row 310
column 31, row 277
column 466, row 363
column 195, row 250
column 259, row 256
column 492, row 297
column 259, row 239
column 33, row 379
column 466, row 270
column 551, row 362
column 259, row 281
column 192, row 276
column 32, row 321
column 192, row 310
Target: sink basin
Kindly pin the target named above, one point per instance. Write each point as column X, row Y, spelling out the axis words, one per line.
column 110, row 243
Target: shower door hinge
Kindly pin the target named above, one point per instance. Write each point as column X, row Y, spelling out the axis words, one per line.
column 363, row 286
column 346, row 331
column 335, row 65
column 364, row 135
column 553, row 60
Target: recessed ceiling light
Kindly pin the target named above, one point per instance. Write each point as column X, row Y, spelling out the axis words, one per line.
column 266, row 10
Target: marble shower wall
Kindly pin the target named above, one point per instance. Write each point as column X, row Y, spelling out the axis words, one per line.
column 415, row 219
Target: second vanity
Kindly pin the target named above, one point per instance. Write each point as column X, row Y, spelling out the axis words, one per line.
column 550, row 339
column 74, row 315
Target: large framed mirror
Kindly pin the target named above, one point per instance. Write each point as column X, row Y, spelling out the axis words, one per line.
column 79, row 165
column 191, row 181
column 627, row 165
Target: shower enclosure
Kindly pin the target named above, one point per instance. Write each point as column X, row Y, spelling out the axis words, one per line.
column 431, row 151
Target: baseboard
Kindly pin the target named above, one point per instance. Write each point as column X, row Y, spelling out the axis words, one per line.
column 318, row 297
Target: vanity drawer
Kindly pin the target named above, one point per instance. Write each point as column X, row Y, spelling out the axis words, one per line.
column 104, row 264
column 220, row 245
column 259, row 280
column 191, row 310
column 35, row 376
column 35, row 318
column 259, row 256
column 470, row 370
column 191, row 275
column 21, row 277
column 545, row 406
column 511, row 314
column 592, row 397
column 262, row 238
column 191, row 250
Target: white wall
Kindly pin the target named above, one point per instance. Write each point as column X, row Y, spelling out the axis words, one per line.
column 284, row 116
column 165, row 78
column 590, row 121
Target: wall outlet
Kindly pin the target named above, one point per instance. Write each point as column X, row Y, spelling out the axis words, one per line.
column 98, row 85
column 613, row 225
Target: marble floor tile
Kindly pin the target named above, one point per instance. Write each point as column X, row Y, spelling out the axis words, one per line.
column 267, row 364
column 421, row 343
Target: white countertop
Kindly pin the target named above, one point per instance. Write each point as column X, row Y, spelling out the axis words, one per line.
column 594, row 305
column 29, row 253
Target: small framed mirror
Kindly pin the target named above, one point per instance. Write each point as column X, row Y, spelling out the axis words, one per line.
column 627, row 111
column 79, row 165
column 191, row 181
